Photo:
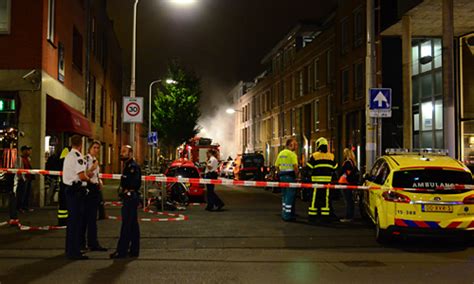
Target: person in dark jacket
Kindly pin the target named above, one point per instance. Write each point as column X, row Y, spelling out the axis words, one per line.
column 129, row 242
column 348, row 171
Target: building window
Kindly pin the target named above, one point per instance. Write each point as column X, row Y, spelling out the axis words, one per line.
column 5, row 16
column 329, row 67
column 77, row 49
column 358, row 80
column 310, row 78
column 344, row 36
column 316, row 116
column 358, row 31
column 102, row 106
column 109, row 155
column 293, row 86
column 427, row 93
column 281, row 129
column 345, row 85
column 104, row 52
column 92, row 95
column 316, row 74
column 51, row 20
column 112, row 114
column 288, row 123
column 300, row 84
column 281, row 92
column 93, row 36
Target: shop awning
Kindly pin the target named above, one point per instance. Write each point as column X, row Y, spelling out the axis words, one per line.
column 60, row 117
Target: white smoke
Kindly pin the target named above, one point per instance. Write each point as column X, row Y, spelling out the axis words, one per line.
column 220, row 127
column 216, row 124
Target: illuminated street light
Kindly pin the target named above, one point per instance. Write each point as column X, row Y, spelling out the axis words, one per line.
column 183, row 2
column 167, row 81
column 134, row 58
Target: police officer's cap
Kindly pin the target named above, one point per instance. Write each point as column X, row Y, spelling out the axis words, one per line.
column 321, row 142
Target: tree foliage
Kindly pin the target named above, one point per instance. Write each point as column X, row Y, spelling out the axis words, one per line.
column 176, row 107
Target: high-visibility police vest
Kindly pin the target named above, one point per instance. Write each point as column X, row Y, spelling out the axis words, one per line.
column 321, row 167
column 286, row 161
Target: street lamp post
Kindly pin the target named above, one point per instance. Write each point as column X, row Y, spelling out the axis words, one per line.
column 132, row 80
column 150, row 90
column 134, row 58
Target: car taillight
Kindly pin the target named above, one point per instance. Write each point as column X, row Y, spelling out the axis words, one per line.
column 469, row 199
column 393, row 196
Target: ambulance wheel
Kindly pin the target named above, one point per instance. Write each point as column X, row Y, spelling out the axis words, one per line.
column 381, row 235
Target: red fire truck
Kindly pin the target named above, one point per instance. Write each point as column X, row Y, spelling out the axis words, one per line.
column 195, row 150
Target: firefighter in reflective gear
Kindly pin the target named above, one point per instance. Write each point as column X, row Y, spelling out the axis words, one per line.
column 287, row 167
column 62, row 204
column 321, row 169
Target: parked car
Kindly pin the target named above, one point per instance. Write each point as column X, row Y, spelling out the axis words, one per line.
column 249, row 167
column 187, row 169
column 417, row 196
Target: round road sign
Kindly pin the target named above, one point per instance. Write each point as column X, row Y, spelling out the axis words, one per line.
column 133, row 109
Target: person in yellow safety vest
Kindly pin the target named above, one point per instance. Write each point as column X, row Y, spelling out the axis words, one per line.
column 321, row 169
column 287, row 167
column 62, row 205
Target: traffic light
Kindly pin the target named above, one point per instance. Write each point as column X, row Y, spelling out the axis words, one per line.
column 2, row 105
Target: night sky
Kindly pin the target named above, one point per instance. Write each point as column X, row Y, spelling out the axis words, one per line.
column 223, row 41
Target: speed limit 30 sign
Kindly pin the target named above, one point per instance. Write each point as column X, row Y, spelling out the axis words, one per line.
column 133, row 110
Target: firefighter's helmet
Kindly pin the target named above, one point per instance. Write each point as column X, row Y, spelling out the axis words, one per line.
column 321, row 142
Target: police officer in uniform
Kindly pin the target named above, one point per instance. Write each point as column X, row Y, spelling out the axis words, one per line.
column 62, row 202
column 129, row 242
column 75, row 181
column 287, row 167
column 92, row 200
column 321, row 169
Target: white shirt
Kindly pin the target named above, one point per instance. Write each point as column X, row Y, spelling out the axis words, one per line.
column 213, row 163
column 89, row 162
column 74, row 164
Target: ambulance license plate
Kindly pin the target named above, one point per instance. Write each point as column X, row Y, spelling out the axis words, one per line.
column 437, row 208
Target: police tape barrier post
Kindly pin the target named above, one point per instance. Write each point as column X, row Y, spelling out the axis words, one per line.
column 245, row 183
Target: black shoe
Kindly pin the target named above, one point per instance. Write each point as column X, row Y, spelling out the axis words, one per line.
column 209, row 209
column 219, row 208
column 78, row 257
column 97, row 248
column 116, row 255
column 133, row 254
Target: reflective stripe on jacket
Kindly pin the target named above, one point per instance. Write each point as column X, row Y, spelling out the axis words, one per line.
column 321, row 168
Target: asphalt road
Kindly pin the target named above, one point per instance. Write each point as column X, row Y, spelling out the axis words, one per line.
column 246, row 243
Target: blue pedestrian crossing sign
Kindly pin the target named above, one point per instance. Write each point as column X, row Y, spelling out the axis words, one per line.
column 380, row 102
column 153, row 138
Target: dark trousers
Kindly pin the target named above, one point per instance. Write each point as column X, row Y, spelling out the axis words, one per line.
column 62, row 205
column 213, row 199
column 101, row 206
column 89, row 224
column 75, row 196
column 349, row 200
column 130, row 232
column 288, row 198
column 23, row 192
column 321, row 205
column 12, row 208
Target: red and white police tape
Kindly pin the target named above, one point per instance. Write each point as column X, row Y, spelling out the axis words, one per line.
column 31, row 228
column 245, row 183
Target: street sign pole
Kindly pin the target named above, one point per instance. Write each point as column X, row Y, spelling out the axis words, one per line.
column 370, row 145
